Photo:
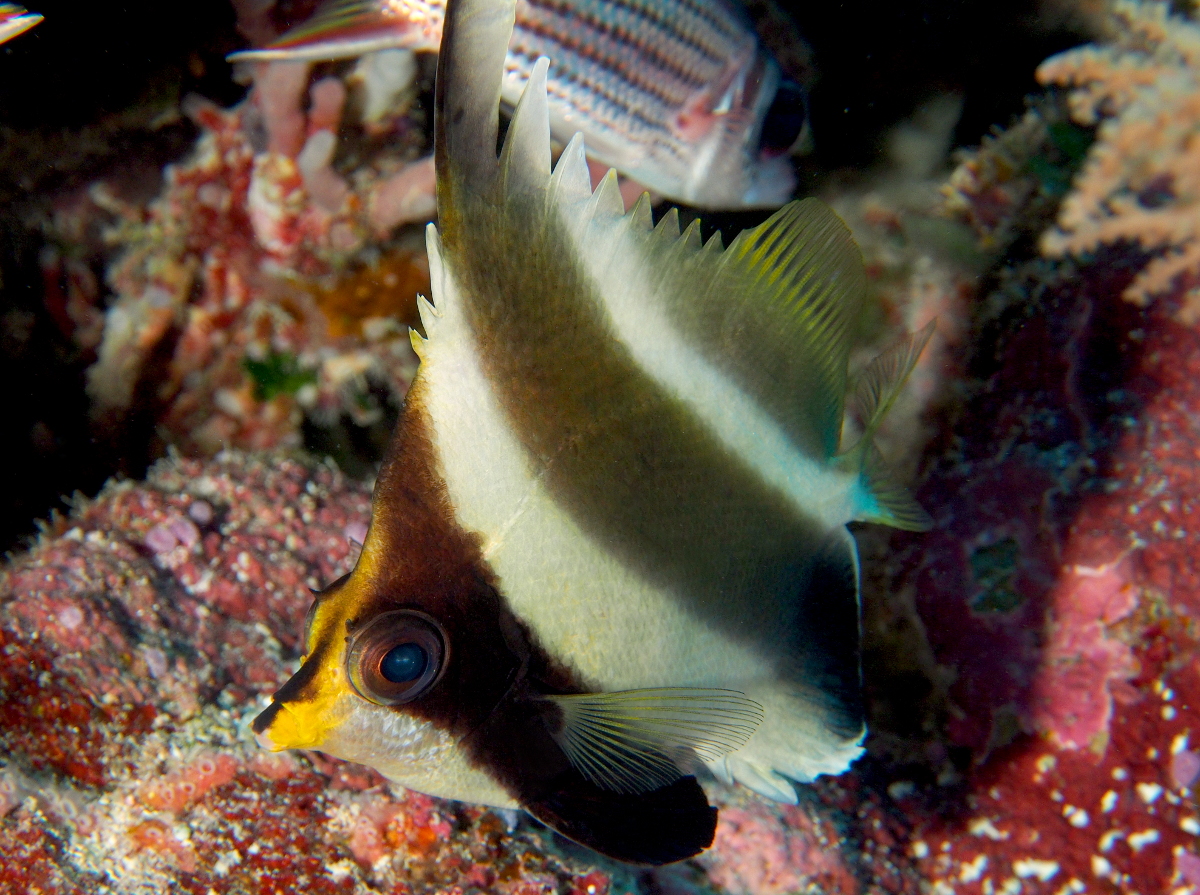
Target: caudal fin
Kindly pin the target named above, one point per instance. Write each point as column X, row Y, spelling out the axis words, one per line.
column 880, row 384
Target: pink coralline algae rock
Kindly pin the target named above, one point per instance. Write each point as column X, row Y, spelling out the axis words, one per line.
column 1185, row 768
column 1071, row 698
column 764, row 848
column 132, row 657
column 1059, row 591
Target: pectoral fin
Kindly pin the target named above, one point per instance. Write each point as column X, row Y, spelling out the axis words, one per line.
column 520, row 748
column 884, row 378
column 634, row 741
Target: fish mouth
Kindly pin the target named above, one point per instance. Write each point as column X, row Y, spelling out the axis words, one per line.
column 280, row 727
column 261, row 726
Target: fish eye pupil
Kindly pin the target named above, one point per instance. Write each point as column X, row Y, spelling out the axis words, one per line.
column 403, row 663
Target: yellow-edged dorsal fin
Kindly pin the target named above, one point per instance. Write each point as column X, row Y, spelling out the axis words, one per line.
column 804, row 285
column 773, row 312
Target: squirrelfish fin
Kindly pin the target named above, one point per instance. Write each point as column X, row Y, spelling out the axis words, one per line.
column 343, row 29
column 635, row 740
column 16, row 20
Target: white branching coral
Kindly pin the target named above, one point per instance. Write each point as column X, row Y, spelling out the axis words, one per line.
column 1141, row 181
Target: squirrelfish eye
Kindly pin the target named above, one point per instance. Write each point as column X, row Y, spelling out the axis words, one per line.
column 396, row 657
column 784, row 119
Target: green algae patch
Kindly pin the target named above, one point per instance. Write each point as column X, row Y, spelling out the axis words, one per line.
column 279, row 373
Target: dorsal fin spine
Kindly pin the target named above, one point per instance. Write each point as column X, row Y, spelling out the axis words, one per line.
column 607, row 198
column 641, row 216
column 569, row 182
column 467, row 99
column 525, row 158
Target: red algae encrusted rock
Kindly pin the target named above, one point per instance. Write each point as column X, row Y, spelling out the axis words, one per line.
column 1058, row 591
column 225, row 320
column 138, row 637
column 143, row 632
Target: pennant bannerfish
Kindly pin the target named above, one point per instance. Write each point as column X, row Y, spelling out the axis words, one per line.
column 16, row 20
column 608, row 546
column 679, row 95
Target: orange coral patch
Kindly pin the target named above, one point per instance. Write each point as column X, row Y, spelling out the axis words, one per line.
column 386, row 289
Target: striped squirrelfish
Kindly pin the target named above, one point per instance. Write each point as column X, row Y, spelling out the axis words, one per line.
column 16, row 20
column 679, row 95
column 608, row 546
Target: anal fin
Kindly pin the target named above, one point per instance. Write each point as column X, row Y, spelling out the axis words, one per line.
column 670, row 824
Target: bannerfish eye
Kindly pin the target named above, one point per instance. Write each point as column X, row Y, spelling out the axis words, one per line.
column 404, row 663
column 784, row 120
column 396, row 657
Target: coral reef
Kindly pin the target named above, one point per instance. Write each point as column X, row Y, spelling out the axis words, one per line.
column 1054, row 590
column 1139, row 183
column 238, row 310
column 1030, row 663
column 1010, row 187
column 136, row 641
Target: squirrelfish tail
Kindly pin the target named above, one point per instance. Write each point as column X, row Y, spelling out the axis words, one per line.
column 16, row 20
column 467, row 99
column 343, row 29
